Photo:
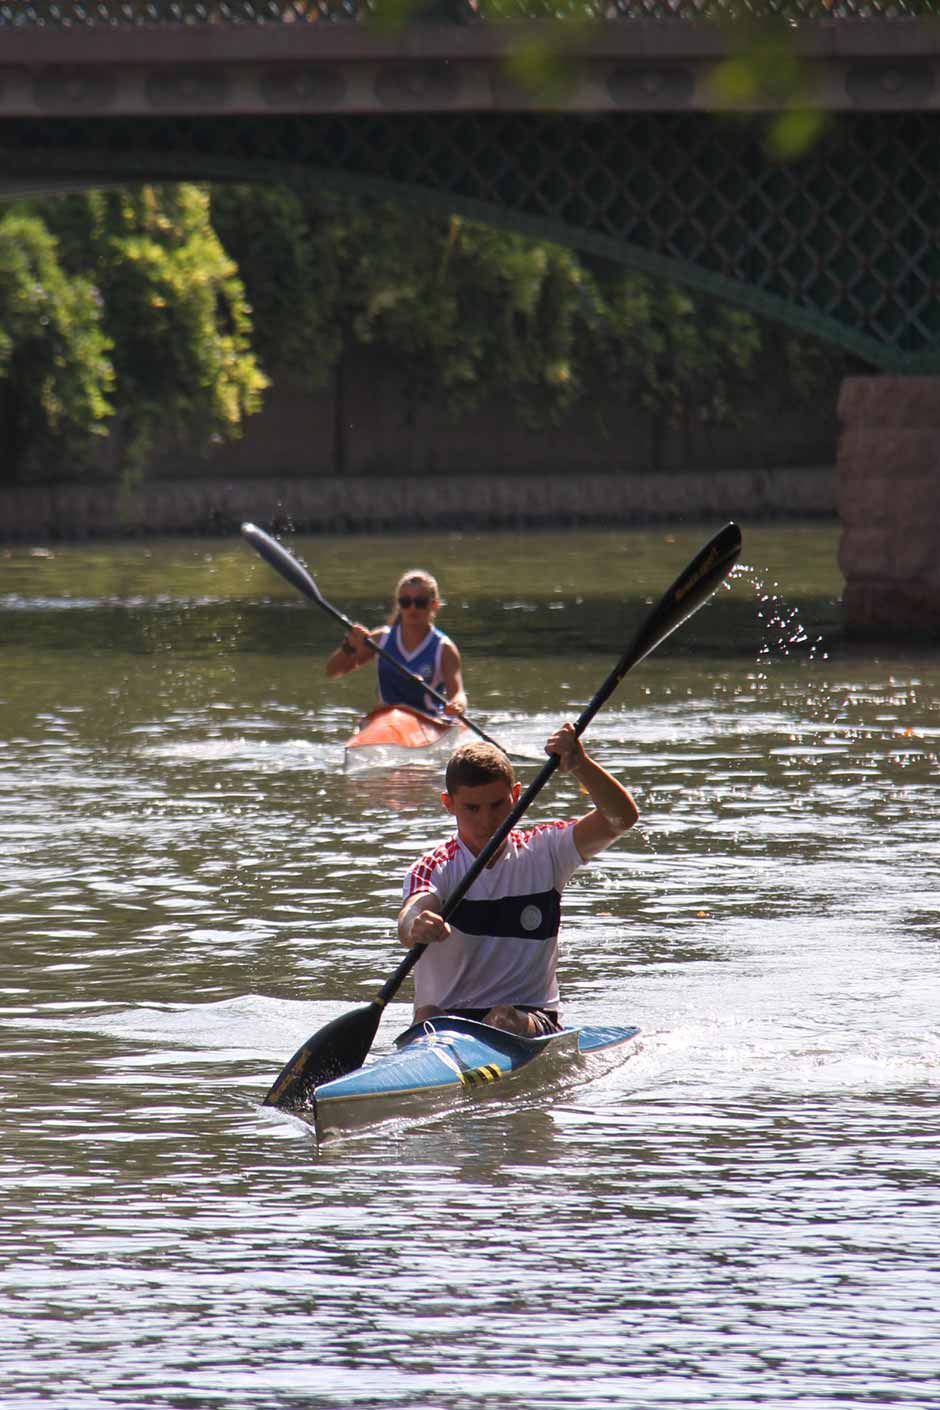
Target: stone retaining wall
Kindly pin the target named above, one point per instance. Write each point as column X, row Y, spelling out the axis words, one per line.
column 330, row 504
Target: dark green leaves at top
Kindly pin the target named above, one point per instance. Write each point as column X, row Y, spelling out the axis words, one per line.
column 175, row 308
column 56, row 375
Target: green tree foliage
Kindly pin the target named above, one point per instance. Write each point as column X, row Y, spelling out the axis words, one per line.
column 195, row 290
column 462, row 311
column 291, row 255
column 685, row 360
column 55, row 373
column 175, row 308
column 298, row 253
column 469, row 312
column 462, row 308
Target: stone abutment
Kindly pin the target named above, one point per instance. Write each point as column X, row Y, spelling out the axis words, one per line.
column 888, row 489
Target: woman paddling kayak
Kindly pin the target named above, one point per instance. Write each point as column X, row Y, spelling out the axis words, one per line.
column 415, row 642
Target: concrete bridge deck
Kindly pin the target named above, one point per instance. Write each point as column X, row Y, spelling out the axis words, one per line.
column 642, row 65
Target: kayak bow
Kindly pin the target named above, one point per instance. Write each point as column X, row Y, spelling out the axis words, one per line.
column 390, row 733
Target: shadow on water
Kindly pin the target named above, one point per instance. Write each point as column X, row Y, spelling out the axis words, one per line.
column 505, row 593
column 588, row 625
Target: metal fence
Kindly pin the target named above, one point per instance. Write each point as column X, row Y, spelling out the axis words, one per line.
column 64, row 14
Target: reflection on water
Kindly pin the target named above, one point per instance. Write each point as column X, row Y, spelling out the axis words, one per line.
column 744, row 1213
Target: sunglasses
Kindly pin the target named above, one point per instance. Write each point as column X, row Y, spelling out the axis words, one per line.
column 420, row 602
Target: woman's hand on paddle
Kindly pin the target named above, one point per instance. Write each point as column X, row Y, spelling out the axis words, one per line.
column 351, row 653
column 453, row 680
column 566, row 744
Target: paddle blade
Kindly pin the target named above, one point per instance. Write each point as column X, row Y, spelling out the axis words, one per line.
column 340, row 1047
column 693, row 587
column 281, row 561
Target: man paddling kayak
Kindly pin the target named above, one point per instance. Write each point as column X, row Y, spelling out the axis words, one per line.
column 412, row 639
column 496, row 959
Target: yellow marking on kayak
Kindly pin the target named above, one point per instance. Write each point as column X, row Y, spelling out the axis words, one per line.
column 478, row 1076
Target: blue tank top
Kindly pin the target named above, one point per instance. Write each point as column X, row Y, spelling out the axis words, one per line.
column 396, row 689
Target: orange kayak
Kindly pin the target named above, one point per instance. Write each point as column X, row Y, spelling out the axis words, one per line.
column 388, row 730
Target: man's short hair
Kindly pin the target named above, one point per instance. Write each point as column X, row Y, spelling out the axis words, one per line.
column 472, row 765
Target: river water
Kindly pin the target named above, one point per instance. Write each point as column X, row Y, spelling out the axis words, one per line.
column 744, row 1214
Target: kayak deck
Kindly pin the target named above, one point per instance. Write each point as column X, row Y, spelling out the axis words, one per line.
column 447, row 1061
column 390, row 732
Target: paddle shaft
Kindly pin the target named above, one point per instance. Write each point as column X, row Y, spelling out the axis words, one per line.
column 289, row 567
column 685, row 596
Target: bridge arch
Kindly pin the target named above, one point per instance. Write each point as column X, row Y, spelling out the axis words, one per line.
column 840, row 244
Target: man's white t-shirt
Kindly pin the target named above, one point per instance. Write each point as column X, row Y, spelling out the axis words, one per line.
column 504, row 946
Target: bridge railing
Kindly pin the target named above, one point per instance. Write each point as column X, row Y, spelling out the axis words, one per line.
column 85, row 14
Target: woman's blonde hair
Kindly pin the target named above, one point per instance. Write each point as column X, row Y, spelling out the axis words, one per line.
column 418, row 577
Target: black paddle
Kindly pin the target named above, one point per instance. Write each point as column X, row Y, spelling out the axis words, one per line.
column 289, row 567
column 343, row 1044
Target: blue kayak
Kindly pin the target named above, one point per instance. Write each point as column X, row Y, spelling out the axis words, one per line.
column 446, row 1061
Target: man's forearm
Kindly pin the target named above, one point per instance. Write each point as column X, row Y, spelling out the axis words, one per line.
column 609, row 796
